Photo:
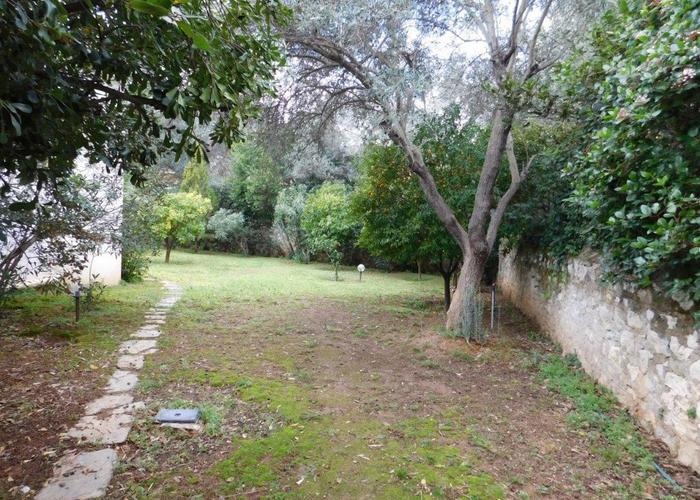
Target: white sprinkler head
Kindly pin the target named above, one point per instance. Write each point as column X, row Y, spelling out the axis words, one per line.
column 361, row 268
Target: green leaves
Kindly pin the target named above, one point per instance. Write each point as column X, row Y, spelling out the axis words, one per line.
column 327, row 221
column 200, row 41
column 57, row 64
column 636, row 178
column 181, row 216
column 156, row 8
column 397, row 222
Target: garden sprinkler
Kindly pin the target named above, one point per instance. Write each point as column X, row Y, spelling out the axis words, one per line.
column 361, row 269
column 75, row 292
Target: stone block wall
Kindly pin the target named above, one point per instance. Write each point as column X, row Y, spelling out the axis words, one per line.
column 645, row 349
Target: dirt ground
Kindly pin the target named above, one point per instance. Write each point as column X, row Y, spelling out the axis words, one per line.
column 326, row 398
column 372, row 380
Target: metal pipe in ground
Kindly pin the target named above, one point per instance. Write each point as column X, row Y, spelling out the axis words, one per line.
column 493, row 306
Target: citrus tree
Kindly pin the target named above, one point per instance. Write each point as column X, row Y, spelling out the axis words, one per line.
column 180, row 218
column 398, row 223
column 328, row 223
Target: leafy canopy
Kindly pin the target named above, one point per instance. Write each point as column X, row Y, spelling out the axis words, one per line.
column 123, row 79
column 181, row 217
column 398, row 224
column 637, row 95
column 226, row 224
column 327, row 221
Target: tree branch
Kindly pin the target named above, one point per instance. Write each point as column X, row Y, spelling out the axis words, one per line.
column 532, row 66
column 517, row 177
column 428, row 185
column 123, row 96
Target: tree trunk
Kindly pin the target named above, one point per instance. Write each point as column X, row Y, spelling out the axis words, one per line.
column 420, row 271
column 465, row 294
column 336, row 271
column 168, row 247
column 446, row 278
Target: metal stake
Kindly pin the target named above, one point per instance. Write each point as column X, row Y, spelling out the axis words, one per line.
column 493, row 306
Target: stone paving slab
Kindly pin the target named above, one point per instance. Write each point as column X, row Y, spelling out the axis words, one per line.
column 108, row 402
column 184, row 427
column 130, row 362
column 122, row 381
column 80, row 476
column 146, row 334
column 110, row 429
column 137, row 346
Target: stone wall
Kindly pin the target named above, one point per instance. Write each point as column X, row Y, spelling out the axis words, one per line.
column 643, row 348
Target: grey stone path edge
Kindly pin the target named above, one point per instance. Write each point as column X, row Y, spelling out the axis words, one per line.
column 107, row 420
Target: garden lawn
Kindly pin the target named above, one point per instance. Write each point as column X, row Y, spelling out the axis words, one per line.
column 50, row 367
column 315, row 388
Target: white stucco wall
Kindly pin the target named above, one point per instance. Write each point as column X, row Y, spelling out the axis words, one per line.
column 642, row 347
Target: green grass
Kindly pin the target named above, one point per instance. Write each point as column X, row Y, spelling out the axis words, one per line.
column 266, row 334
column 597, row 413
column 221, row 278
column 463, row 356
column 99, row 331
column 29, row 312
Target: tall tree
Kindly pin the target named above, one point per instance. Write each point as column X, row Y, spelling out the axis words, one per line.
column 397, row 222
column 122, row 79
column 195, row 178
column 366, row 55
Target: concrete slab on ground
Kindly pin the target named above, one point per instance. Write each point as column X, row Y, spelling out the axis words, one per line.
column 79, row 476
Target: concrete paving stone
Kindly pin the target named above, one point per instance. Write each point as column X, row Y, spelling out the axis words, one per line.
column 130, row 408
column 112, row 428
column 122, row 381
column 136, row 346
column 146, row 334
column 79, row 476
column 130, row 362
column 108, row 402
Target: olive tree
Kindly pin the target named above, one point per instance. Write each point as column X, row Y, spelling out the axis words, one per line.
column 397, row 222
column 367, row 56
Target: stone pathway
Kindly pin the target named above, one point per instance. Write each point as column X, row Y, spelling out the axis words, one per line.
column 107, row 420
